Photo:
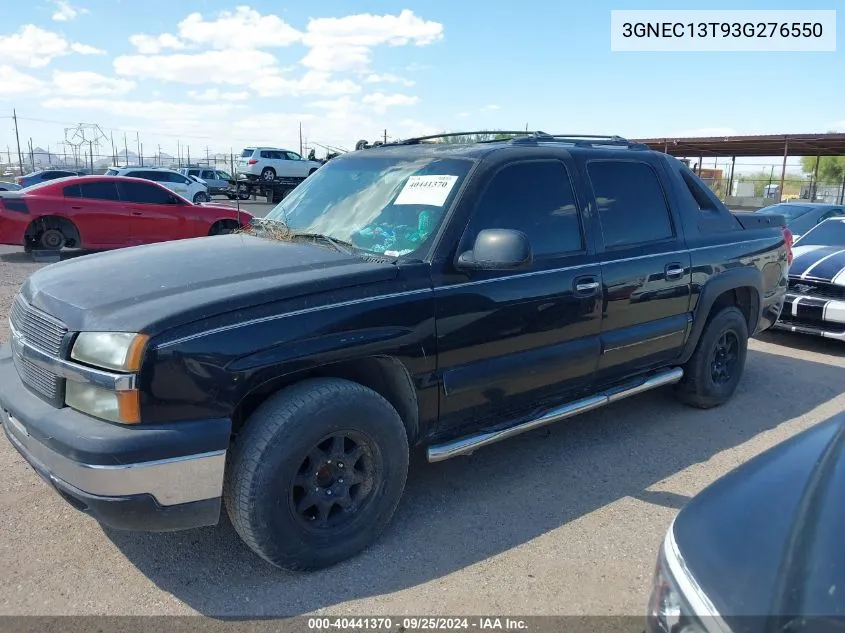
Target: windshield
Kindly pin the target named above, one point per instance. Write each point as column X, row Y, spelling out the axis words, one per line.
column 383, row 205
column 247, row 153
column 828, row 233
column 788, row 211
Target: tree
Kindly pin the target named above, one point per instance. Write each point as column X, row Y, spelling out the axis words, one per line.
column 492, row 135
column 831, row 168
column 791, row 183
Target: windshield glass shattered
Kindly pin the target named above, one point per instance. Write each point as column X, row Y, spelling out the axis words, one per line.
column 381, row 205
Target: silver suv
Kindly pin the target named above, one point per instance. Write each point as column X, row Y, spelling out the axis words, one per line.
column 216, row 179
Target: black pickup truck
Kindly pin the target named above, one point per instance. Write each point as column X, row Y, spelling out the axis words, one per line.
column 418, row 294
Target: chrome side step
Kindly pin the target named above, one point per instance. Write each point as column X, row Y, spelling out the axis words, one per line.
column 466, row 445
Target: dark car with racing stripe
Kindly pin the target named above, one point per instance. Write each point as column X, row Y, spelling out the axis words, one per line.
column 815, row 302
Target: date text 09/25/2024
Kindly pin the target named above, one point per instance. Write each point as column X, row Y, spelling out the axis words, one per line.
column 417, row 623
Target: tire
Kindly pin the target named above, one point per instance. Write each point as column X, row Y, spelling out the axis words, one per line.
column 268, row 173
column 51, row 240
column 243, row 193
column 288, row 445
column 201, row 196
column 710, row 377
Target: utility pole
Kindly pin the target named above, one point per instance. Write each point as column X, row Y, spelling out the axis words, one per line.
column 158, row 156
column 140, row 152
column 18, row 140
column 91, row 154
column 125, row 149
column 207, row 156
column 385, row 137
column 31, row 154
column 189, row 155
column 300, row 138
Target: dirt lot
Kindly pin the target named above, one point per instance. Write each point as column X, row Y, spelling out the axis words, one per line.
column 564, row 520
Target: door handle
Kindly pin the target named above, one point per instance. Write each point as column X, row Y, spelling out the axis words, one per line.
column 75, row 207
column 586, row 286
column 674, row 271
column 137, row 213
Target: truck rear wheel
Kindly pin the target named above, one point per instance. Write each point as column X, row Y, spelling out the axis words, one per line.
column 712, row 374
column 317, row 473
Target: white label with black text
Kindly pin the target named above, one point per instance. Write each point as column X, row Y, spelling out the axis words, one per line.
column 427, row 190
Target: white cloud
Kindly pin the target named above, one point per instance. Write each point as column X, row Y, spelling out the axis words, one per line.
column 15, row 83
column 85, row 83
column 339, row 44
column 213, row 94
column 490, row 108
column 380, row 102
column 66, row 12
column 152, row 44
column 35, row 47
column 312, row 82
column 463, row 115
column 340, row 58
column 243, row 28
column 85, row 49
column 388, row 78
column 200, row 68
column 156, row 110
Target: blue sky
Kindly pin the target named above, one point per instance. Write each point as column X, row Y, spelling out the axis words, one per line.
column 177, row 70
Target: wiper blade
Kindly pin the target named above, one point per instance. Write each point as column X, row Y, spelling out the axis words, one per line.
column 339, row 245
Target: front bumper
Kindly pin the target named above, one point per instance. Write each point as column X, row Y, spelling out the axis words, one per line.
column 813, row 315
column 151, row 478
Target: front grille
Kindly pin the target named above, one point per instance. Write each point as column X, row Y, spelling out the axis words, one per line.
column 44, row 333
column 40, row 330
column 821, row 289
column 38, row 378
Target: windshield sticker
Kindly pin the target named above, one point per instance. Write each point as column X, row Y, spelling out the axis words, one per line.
column 426, row 190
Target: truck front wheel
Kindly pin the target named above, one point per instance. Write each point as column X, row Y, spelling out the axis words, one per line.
column 713, row 372
column 317, row 473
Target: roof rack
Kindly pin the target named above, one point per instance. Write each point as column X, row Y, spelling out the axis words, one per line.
column 524, row 137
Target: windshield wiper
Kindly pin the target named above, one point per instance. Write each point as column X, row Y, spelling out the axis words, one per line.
column 339, row 245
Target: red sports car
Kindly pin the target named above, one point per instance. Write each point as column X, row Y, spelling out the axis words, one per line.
column 104, row 212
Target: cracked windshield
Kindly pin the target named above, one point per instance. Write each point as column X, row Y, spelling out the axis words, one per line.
column 384, row 206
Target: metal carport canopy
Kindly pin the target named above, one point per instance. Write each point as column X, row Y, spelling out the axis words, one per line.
column 763, row 145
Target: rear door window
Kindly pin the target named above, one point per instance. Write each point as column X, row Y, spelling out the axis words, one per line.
column 631, row 205
column 142, row 193
column 207, row 175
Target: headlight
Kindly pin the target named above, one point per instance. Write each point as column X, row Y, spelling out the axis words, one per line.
column 120, row 351
column 677, row 604
column 115, row 406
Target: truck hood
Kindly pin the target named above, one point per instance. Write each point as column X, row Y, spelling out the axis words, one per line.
column 767, row 537
column 155, row 287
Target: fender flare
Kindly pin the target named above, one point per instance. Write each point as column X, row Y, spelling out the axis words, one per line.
column 732, row 279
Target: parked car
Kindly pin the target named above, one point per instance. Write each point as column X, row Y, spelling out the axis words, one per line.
column 9, row 186
column 42, row 175
column 216, row 180
column 269, row 163
column 104, row 212
column 186, row 187
column 815, row 303
column 285, row 372
column 760, row 549
column 801, row 217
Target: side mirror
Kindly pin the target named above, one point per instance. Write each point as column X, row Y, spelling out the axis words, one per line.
column 497, row 249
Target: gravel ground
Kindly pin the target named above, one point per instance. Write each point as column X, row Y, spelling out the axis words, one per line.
column 564, row 520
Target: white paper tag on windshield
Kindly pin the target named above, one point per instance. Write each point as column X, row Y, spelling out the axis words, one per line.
column 427, row 190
